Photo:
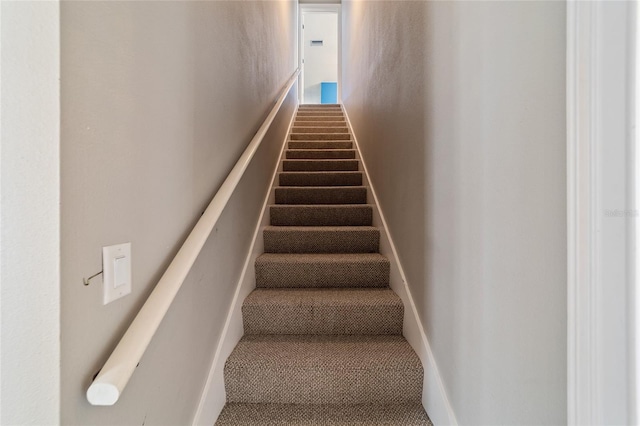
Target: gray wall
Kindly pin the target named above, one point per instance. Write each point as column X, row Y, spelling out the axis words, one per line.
column 459, row 108
column 159, row 99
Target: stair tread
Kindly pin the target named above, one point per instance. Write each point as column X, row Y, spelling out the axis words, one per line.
column 321, row 129
column 342, row 352
column 318, row 141
column 319, row 160
column 319, row 136
column 322, row 126
column 323, row 188
column 320, row 118
column 322, row 172
column 311, row 123
column 321, row 258
column 320, row 206
column 322, row 149
column 320, row 145
column 283, row 368
column 320, row 154
column 321, row 228
column 323, row 414
column 305, row 165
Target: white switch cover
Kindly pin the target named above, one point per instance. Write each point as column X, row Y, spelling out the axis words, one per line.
column 116, row 264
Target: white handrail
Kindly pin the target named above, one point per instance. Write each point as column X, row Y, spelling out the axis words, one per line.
column 114, row 376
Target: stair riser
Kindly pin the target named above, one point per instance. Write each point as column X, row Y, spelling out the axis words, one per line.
column 375, row 320
column 319, row 275
column 320, row 179
column 316, row 195
column 320, row 110
column 319, row 165
column 321, row 216
column 320, row 145
column 322, row 129
column 306, row 139
column 319, row 118
column 320, row 137
column 298, row 123
column 353, row 384
column 294, row 241
column 319, row 114
column 321, row 154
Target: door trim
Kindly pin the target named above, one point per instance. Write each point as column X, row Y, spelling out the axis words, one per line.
column 600, row 285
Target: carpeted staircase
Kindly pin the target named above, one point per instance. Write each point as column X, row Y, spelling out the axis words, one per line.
column 323, row 338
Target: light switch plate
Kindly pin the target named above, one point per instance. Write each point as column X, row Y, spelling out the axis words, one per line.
column 116, row 264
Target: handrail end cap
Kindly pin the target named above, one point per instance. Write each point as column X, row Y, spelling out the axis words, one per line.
column 102, row 394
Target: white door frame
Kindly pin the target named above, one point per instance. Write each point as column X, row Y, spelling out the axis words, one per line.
column 308, row 7
column 600, row 138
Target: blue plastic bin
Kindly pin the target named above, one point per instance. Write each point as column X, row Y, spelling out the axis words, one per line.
column 328, row 92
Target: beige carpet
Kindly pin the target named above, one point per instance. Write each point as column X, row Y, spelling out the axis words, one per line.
column 316, row 414
column 323, row 340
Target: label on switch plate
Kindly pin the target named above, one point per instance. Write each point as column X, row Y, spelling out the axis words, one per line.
column 121, row 271
column 116, row 264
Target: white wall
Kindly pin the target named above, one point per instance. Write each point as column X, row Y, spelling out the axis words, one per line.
column 320, row 62
column 319, row 1
column 159, row 99
column 459, row 108
column 29, row 214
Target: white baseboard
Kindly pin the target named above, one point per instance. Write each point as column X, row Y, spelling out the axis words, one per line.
column 214, row 396
column 434, row 396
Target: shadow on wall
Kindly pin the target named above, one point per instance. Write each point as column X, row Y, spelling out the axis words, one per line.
column 384, row 94
column 407, row 145
column 387, row 101
column 459, row 111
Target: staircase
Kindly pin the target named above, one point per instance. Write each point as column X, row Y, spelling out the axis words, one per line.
column 323, row 331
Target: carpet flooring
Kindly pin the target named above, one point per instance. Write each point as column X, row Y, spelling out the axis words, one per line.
column 323, row 340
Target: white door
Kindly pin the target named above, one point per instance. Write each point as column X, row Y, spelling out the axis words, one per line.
column 319, row 53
